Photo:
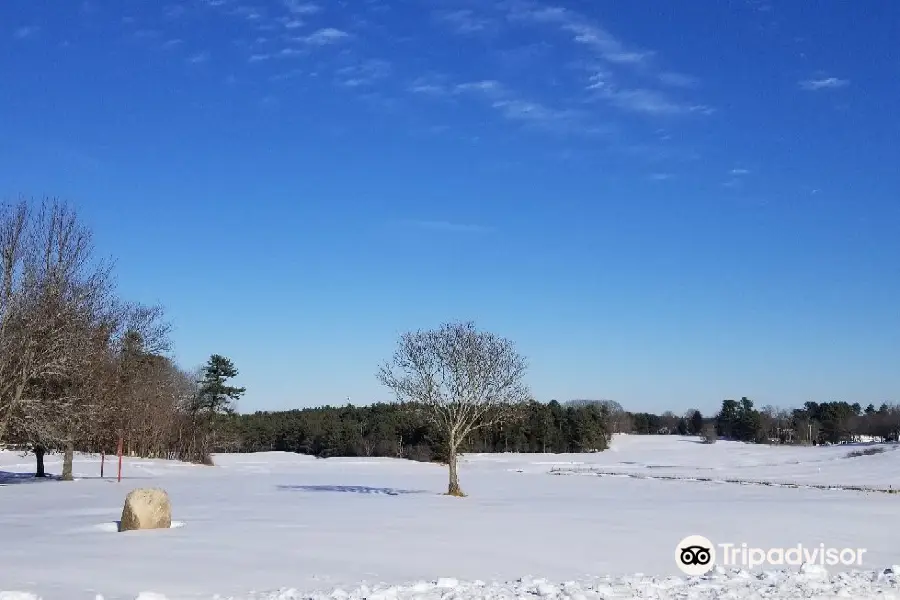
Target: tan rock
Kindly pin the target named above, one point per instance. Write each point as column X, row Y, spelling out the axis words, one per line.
column 146, row 508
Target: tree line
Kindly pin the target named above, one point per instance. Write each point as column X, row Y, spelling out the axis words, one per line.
column 82, row 368
column 405, row 430
column 815, row 423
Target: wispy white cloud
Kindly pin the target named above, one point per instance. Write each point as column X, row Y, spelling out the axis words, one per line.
column 528, row 112
column 583, row 32
column 823, row 83
column 611, row 60
column 428, row 86
column 639, row 100
column 174, row 11
column 660, row 176
column 489, row 87
column 295, row 7
column 762, row 6
column 365, row 73
column 678, row 80
column 325, row 36
column 25, row 32
column 739, row 172
column 198, row 58
column 538, row 115
column 464, row 21
column 289, row 52
column 287, row 75
column 291, row 22
column 251, row 13
column 172, row 44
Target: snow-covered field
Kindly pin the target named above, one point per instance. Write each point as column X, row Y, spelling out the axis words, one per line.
column 281, row 526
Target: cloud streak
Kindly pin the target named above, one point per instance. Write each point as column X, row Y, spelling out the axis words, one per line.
column 823, row 83
column 610, row 60
column 198, row 58
column 640, row 100
column 598, row 39
column 325, row 37
column 464, row 21
column 366, row 73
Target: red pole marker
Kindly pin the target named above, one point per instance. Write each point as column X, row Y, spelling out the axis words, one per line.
column 119, row 451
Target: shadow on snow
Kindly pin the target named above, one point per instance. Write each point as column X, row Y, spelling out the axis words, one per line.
column 8, row 478
column 352, row 489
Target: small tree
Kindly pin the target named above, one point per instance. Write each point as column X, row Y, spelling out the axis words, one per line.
column 213, row 398
column 696, row 422
column 709, row 434
column 464, row 378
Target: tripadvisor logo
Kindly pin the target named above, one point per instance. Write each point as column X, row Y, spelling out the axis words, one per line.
column 695, row 555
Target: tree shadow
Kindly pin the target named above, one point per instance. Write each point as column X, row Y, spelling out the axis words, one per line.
column 697, row 441
column 9, row 478
column 351, row 489
column 112, row 478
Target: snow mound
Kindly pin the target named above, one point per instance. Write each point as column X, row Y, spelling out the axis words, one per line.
column 810, row 581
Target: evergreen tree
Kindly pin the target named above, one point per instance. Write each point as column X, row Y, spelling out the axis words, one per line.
column 696, row 423
column 749, row 421
column 727, row 419
column 213, row 395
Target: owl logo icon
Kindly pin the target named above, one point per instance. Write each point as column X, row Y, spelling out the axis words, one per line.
column 695, row 555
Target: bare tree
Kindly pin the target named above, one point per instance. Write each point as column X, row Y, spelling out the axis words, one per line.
column 669, row 421
column 61, row 294
column 13, row 233
column 617, row 417
column 465, row 379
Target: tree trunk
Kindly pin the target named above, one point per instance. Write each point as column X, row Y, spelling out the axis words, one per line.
column 67, row 461
column 453, row 489
column 39, row 459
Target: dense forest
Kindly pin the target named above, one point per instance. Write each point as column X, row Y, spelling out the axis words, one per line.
column 404, row 430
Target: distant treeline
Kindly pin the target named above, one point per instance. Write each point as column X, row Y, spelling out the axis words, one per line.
column 404, row 430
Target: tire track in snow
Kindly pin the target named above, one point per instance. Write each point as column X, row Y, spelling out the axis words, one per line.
column 757, row 482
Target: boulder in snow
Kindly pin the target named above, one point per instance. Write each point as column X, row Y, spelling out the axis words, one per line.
column 146, row 508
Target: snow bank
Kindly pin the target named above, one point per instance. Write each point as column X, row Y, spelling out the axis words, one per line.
column 812, row 582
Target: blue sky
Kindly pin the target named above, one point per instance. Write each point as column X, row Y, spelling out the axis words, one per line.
column 665, row 204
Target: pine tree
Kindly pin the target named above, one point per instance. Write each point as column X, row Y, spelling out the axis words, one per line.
column 696, row 422
column 213, row 395
column 212, row 399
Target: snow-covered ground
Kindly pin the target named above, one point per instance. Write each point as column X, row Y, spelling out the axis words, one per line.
column 282, row 526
